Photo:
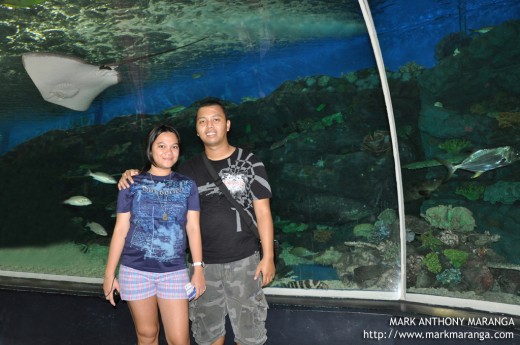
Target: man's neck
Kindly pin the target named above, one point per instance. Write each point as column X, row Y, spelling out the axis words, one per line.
column 216, row 153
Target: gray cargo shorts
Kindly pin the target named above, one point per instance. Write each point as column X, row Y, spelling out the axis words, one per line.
column 231, row 290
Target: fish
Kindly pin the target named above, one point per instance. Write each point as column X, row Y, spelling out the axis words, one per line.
column 453, row 158
column 306, row 284
column 483, row 160
column 97, row 228
column 175, row 109
column 73, row 83
column 78, row 200
column 483, row 30
column 118, row 149
column 102, row 177
column 421, row 189
column 279, row 144
column 111, row 206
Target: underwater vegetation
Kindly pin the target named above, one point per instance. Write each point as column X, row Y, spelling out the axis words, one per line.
column 456, row 257
column 471, row 190
column 432, row 262
column 328, row 151
column 364, row 230
column 428, row 240
column 455, row 145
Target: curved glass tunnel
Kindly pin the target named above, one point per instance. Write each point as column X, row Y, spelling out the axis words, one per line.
column 394, row 176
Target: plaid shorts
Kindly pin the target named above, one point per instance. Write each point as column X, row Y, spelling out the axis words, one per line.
column 138, row 285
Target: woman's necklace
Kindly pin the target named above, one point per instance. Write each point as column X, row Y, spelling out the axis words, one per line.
column 163, row 206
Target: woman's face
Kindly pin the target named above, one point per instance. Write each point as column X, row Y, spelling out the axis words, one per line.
column 165, row 151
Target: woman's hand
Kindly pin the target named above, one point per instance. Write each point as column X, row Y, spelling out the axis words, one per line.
column 109, row 285
column 198, row 281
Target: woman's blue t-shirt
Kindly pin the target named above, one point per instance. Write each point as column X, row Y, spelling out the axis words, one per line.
column 156, row 240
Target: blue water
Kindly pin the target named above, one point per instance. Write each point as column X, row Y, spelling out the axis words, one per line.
column 408, row 31
column 315, row 272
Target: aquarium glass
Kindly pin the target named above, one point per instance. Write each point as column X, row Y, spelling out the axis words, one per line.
column 84, row 81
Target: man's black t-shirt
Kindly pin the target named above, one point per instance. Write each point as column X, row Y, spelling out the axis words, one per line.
column 225, row 237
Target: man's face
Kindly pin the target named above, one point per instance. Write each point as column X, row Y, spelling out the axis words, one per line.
column 212, row 126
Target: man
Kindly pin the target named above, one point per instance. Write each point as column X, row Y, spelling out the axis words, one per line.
column 233, row 271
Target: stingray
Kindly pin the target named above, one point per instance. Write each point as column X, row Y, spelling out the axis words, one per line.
column 72, row 82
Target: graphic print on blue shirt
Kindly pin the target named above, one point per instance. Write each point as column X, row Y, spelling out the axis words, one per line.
column 159, row 239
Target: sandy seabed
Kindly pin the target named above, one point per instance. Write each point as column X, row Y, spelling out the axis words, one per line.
column 68, row 259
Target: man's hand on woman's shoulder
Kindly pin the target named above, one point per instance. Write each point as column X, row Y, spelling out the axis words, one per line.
column 126, row 179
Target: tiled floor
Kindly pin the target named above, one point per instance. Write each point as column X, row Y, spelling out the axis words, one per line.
column 37, row 318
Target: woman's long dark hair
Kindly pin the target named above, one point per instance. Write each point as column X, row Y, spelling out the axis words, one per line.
column 150, row 139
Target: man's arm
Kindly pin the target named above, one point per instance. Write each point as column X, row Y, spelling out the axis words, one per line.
column 264, row 220
column 126, row 179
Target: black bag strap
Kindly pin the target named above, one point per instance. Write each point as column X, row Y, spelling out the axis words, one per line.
column 225, row 191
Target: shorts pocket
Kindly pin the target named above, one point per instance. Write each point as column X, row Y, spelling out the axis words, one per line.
column 252, row 320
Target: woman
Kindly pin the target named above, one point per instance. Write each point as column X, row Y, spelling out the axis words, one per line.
column 154, row 217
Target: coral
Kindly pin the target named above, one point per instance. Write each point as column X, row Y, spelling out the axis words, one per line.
column 412, row 68
column 291, row 259
column 447, row 45
column 290, row 227
column 331, row 119
column 456, row 257
column 321, row 107
column 324, row 80
column 381, row 231
column 479, row 278
column 449, row 238
column 364, row 230
column 329, row 257
column 377, row 143
column 415, row 224
column 350, row 76
column 322, row 235
column 391, row 253
column 450, row 276
column 508, row 119
column 504, row 192
column 388, row 216
column 484, row 239
column 454, row 145
column 429, row 241
column 301, row 252
column 457, row 219
column 477, row 109
column 414, row 263
column 471, row 190
column 432, row 262
column 404, row 132
column 320, row 163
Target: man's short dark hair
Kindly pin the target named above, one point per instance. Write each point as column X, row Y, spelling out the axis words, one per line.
column 210, row 101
